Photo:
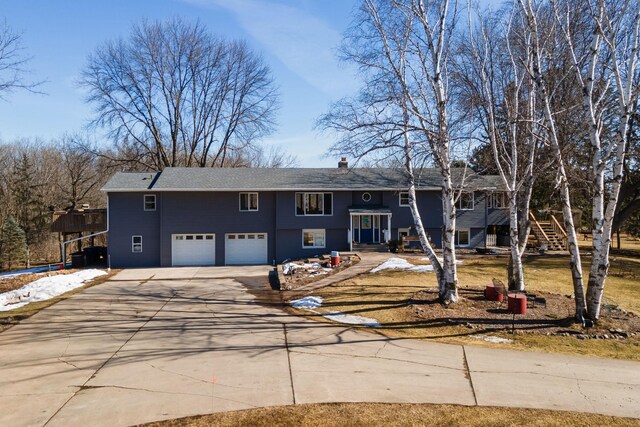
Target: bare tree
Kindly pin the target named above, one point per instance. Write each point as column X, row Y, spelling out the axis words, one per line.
column 13, row 62
column 403, row 47
column 174, row 95
column 608, row 68
column 498, row 81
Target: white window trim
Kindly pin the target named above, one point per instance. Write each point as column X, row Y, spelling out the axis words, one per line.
column 295, row 202
column 403, row 230
column 491, row 199
column 313, row 230
column 133, row 244
column 468, row 230
column 144, row 202
column 404, row 205
column 249, row 204
column 473, row 201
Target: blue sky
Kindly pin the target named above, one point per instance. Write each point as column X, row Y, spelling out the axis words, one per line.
column 297, row 38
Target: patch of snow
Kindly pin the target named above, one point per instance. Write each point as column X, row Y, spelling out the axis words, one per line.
column 402, row 264
column 351, row 319
column 493, row 339
column 46, row 288
column 306, row 302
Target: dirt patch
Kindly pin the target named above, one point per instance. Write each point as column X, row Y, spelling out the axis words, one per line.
column 555, row 317
column 301, row 272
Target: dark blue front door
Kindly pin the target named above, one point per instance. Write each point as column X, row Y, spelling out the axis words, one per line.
column 366, row 229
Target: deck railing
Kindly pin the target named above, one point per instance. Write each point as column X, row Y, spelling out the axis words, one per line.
column 492, row 239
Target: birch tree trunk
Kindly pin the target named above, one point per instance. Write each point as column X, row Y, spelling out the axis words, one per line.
column 575, row 263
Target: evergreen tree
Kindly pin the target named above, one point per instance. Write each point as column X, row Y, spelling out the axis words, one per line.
column 13, row 244
column 30, row 210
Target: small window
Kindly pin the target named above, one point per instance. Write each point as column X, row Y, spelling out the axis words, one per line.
column 248, row 202
column 462, row 237
column 209, row 237
column 231, row 236
column 199, row 237
column 465, row 201
column 366, row 197
column 189, row 237
column 241, row 236
column 149, row 202
column 179, row 237
column 498, row 201
column 313, row 238
column 403, row 198
column 403, row 232
column 261, row 236
column 136, row 244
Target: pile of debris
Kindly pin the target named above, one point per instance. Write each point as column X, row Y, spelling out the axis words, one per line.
column 293, row 274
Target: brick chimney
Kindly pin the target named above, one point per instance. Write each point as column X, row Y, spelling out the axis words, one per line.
column 343, row 163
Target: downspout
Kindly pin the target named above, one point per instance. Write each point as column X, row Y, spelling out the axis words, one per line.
column 486, row 216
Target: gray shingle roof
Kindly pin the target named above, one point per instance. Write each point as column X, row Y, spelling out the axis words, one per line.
column 235, row 179
column 131, row 181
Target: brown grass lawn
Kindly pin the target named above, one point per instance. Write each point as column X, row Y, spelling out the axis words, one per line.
column 386, row 296
column 383, row 414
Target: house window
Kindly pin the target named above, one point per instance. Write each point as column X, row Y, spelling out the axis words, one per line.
column 465, row 201
column 403, row 232
column 149, row 202
column 498, row 201
column 404, row 198
column 366, row 197
column 462, row 237
column 314, row 204
column 136, row 244
column 313, row 238
column 248, row 202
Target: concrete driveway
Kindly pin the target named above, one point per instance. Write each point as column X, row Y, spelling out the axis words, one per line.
column 154, row 344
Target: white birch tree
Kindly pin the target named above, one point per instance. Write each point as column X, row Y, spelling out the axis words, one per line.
column 607, row 69
column 402, row 49
column 504, row 95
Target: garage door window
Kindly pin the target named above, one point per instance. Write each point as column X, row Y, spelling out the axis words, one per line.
column 136, row 244
column 313, row 238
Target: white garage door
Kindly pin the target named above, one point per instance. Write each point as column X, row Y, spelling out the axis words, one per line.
column 193, row 249
column 246, row 249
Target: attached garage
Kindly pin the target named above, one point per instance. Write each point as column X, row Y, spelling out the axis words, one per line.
column 193, row 249
column 245, row 249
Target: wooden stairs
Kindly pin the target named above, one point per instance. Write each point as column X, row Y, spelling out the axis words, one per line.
column 549, row 234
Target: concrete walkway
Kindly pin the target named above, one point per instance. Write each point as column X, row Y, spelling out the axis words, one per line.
column 158, row 344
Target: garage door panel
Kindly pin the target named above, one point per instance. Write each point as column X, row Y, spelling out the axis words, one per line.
column 193, row 249
column 246, row 248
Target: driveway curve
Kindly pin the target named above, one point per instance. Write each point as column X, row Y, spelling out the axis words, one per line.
column 153, row 344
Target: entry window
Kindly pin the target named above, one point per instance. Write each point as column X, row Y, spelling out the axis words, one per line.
column 136, row 244
column 248, row 202
column 313, row 238
column 149, row 202
column 465, row 201
column 462, row 237
column 403, row 198
column 498, row 201
column 314, row 204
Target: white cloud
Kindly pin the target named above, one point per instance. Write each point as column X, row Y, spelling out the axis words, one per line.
column 303, row 43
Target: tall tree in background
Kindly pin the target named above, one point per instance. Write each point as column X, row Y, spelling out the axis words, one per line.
column 29, row 207
column 402, row 49
column 13, row 62
column 13, row 244
column 172, row 94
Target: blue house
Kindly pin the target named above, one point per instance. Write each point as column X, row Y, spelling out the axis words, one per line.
column 225, row 216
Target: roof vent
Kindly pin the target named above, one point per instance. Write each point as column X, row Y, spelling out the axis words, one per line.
column 343, row 163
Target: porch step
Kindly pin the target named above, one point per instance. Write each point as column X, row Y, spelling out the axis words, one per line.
column 370, row 247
